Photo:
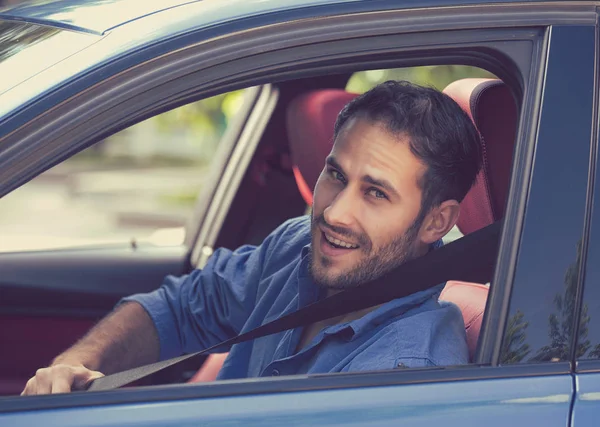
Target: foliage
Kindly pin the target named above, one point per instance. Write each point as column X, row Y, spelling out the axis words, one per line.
column 561, row 327
column 514, row 348
column 562, row 324
column 437, row 76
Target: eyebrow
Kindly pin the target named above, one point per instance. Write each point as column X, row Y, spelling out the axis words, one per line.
column 331, row 161
column 382, row 183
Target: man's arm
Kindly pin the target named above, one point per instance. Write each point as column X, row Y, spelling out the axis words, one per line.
column 125, row 339
column 186, row 314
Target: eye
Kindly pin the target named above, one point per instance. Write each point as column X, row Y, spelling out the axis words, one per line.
column 378, row 194
column 337, row 175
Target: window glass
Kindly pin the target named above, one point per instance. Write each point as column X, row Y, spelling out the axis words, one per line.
column 541, row 319
column 140, row 184
column 588, row 346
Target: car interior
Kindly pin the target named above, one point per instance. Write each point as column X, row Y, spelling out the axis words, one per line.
column 310, row 118
column 278, row 185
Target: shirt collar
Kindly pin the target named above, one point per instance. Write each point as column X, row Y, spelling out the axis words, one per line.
column 309, row 292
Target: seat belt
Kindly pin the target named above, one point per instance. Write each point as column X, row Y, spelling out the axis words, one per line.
column 471, row 258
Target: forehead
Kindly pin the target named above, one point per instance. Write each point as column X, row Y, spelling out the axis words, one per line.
column 364, row 147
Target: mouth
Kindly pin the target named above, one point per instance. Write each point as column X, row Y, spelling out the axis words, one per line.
column 337, row 243
column 334, row 246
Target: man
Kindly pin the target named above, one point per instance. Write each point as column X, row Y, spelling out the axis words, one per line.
column 403, row 158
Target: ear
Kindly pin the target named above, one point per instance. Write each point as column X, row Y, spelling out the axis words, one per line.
column 439, row 221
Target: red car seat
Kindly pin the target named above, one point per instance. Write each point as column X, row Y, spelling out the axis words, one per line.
column 492, row 108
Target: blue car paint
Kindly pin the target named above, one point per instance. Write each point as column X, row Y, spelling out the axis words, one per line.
column 492, row 403
column 142, row 35
column 101, row 15
column 586, row 408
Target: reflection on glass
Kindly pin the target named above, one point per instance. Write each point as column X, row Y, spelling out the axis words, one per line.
column 27, row 49
column 561, row 327
column 561, row 323
column 14, row 37
column 514, row 347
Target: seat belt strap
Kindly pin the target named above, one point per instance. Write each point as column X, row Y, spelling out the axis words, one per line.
column 471, row 258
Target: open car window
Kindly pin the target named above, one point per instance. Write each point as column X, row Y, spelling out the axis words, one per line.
column 138, row 186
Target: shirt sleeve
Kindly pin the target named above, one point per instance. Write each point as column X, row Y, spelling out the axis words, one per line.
column 207, row 306
column 198, row 310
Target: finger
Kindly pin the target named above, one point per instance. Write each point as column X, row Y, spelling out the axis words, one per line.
column 61, row 385
column 29, row 388
column 43, row 382
column 83, row 378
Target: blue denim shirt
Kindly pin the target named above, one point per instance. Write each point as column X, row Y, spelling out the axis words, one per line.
column 240, row 290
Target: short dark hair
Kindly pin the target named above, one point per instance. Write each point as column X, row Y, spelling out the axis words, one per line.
column 440, row 134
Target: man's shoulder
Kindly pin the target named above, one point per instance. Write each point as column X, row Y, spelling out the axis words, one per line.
column 437, row 334
column 431, row 336
column 292, row 234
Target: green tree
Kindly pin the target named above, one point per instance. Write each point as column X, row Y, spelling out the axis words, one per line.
column 514, row 347
column 561, row 324
column 595, row 353
column 437, row 76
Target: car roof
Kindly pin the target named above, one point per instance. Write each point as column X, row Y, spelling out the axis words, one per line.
column 124, row 33
column 95, row 16
column 100, row 16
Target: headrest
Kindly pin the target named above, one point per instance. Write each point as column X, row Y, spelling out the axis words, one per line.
column 492, row 108
column 471, row 298
column 310, row 121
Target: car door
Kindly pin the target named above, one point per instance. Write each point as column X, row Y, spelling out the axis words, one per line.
column 58, row 277
column 582, row 314
column 537, row 58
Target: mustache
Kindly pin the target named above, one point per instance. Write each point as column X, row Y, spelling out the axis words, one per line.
column 360, row 239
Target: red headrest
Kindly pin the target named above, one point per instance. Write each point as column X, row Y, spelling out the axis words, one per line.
column 471, row 299
column 310, row 120
column 492, row 108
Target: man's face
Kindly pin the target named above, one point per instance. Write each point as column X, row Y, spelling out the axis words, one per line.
column 365, row 205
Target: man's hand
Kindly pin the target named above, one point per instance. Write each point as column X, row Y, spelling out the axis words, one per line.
column 124, row 339
column 60, row 378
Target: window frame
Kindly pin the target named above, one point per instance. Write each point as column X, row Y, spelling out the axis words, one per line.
column 582, row 366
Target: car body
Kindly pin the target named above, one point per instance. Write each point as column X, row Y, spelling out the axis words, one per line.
column 119, row 62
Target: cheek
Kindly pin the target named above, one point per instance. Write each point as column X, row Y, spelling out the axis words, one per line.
column 384, row 226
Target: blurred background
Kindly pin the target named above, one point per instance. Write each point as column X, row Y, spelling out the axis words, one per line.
column 142, row 183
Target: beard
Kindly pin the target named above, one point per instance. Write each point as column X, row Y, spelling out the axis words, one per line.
column 373, row 265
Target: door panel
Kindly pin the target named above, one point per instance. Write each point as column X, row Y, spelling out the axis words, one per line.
column 516, row 402
column 29, row 343
column 82, row 282
column 48, row 300
column 587, row 400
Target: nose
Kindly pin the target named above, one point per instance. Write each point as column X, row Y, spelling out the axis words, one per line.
column 340, row 212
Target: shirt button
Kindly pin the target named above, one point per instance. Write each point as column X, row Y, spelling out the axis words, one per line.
column 401, row 365
column 275, row 372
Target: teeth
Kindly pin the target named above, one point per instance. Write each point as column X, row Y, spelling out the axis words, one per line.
column 340, row 242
